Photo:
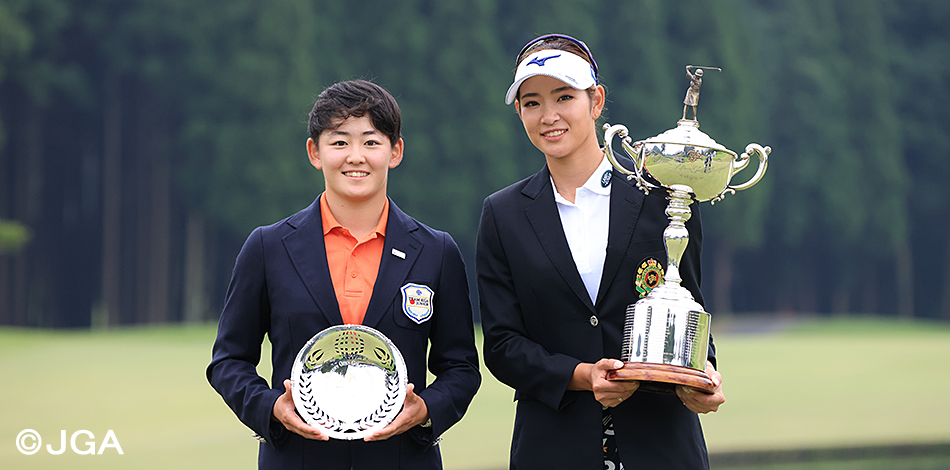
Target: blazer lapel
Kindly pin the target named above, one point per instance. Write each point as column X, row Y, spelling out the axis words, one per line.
column 308, row 253
column 399, row 254
column 544, row 218
column 625, row 203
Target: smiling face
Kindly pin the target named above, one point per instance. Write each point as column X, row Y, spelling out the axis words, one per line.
column 355, row 159
column 560, row 120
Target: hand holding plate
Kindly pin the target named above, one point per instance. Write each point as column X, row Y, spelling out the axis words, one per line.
column 414, row 412
column 286, row 413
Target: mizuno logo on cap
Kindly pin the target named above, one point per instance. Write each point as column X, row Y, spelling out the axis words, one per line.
column 540, row 61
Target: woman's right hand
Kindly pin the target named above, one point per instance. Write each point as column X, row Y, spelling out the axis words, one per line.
column 286, row 413
column 593, row 377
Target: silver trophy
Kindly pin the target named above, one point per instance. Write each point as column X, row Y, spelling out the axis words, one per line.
column 349, row 381
column 666, row 334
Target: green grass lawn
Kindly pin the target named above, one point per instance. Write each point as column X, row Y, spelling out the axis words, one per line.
column 822, row 383
column 845, row 381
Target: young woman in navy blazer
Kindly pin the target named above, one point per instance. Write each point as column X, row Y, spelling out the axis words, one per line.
column 558, row 257
column 281, row 287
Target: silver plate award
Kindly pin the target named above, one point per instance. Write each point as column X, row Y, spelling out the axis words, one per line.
column 349, row 381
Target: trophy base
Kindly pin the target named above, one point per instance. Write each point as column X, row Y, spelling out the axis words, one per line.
column 663, row 378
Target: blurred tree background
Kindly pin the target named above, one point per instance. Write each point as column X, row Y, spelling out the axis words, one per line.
column 142, row 140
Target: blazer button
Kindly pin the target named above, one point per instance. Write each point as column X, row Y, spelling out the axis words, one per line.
column 594, row 321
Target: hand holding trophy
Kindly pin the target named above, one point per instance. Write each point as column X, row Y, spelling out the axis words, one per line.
column 666, row 334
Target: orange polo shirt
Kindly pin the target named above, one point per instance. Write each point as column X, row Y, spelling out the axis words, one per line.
column 353, row 263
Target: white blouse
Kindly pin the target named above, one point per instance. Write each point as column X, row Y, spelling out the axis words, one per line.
column 586, row 222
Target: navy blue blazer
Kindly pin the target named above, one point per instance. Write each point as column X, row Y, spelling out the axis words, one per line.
column 281, row 287
column 539, row 323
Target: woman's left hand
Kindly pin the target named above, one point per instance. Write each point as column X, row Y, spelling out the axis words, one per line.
column 414, row 412
column 700, row 402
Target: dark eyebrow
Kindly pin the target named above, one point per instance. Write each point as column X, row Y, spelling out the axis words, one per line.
column 339, row 132
column 553, row 92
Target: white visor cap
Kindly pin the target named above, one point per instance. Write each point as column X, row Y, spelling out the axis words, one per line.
column 562, row 65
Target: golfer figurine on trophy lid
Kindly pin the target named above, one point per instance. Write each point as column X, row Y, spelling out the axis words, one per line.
column 666, row 334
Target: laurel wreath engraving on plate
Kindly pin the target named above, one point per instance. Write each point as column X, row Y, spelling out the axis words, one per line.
column 335, row 361
column 373, row 420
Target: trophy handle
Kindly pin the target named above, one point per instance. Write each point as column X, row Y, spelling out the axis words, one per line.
column 632, row 150
column 741, row 163
column 763, row 165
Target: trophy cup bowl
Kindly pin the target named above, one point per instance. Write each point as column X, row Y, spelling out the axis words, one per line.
column 685, row 156
column 666, row 334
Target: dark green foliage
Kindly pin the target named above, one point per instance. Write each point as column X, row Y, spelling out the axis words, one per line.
column 851, row 96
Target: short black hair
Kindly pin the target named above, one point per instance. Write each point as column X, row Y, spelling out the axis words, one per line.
column 356, row 98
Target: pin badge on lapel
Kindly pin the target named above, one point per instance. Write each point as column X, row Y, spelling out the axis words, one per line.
column 399, row 254
column 417, row 302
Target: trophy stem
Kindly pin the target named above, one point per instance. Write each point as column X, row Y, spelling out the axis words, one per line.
column 675, row 354
column 675, row 236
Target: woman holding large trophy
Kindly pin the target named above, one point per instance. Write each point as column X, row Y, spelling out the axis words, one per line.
column 560, row 256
